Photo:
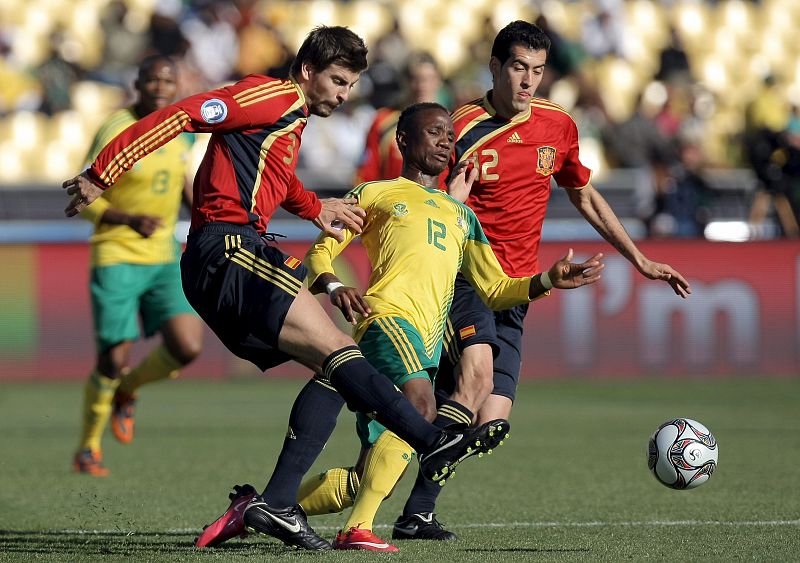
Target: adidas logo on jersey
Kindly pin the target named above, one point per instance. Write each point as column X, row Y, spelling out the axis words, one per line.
column 514, row 138
column 432, row 203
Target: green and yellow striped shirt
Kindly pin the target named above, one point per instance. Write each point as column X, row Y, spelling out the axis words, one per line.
column 417, row 239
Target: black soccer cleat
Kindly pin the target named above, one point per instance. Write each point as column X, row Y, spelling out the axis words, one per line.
column 290, row 525
column 421, row 526
column 455, row 446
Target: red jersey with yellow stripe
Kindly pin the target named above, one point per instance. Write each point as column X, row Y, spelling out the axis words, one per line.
column 516, row 160
column 249, row 166
column 382, row 159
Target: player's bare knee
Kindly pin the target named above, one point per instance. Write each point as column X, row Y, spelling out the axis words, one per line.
column 110, row 369
column 185, row 350
column 186, row 355
column 476, row 378
column 336, row 340
column 420, row 394
column 425, row 404
column 113, row 362
column 484, row 386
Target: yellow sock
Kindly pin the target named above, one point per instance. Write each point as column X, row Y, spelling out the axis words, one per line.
column 386, row 462
column 97, row 395
column 329, row 492
column 159, row 364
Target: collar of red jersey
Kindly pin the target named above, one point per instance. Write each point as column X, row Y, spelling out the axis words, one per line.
column 299, row 92
column 487, row 103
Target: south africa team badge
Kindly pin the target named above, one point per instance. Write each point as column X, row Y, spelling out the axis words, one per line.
column 547, row 160
column 399, row 209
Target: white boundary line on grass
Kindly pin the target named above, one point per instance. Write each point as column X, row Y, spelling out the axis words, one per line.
column 480, row 525
column 633, row 523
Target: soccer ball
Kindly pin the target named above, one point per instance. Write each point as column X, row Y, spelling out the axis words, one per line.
column 682, row 454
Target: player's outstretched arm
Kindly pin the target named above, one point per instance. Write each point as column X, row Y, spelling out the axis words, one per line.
column 337, row 214
column 565, row 274
column 83, row 192
column 599, row 214
column 348, row 299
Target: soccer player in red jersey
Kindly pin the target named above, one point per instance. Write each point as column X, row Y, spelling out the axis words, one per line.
column 519, row 144
column 251, row 294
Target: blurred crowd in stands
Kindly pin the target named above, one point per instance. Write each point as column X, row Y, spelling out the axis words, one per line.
column 667, row 128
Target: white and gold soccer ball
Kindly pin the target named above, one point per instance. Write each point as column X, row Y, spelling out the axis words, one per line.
column 682, row 454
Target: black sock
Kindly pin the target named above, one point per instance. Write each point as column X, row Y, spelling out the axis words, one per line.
column 368, row 391
column 425, row 492
column 452, row 413
column 311, row 423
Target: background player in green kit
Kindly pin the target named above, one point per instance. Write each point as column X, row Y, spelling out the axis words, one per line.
column 417, row 239
column 135, row 272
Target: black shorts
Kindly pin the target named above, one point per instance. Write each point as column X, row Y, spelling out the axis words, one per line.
column 242, row 288
column 472, row 322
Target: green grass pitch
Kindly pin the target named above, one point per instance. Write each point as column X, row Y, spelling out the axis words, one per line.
column 571, row 483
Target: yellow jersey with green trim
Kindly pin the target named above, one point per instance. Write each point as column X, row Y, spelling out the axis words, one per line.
column 154, row 186
column 417, row 240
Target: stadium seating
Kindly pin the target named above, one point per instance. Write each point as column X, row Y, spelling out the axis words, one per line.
column 731, row 45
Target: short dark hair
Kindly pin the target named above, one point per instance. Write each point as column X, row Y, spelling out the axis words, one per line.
column 523, row 33
column 149, row 62
column 329, row 45
column 407, row 115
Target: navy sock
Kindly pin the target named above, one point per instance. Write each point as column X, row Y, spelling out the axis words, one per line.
column 311, row 423
column 452, row 413
column 367, row 391
column 425, row 492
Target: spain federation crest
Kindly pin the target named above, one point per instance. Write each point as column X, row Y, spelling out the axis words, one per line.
column 547, row 160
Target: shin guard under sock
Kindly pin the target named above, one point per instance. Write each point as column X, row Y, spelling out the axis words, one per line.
column 425, row 492
column 98, row 394
column 329, row 492
column 159, row 364
column 311, row 423
column 386, row 463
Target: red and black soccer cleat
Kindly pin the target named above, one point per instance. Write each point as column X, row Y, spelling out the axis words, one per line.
column 230, row 524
